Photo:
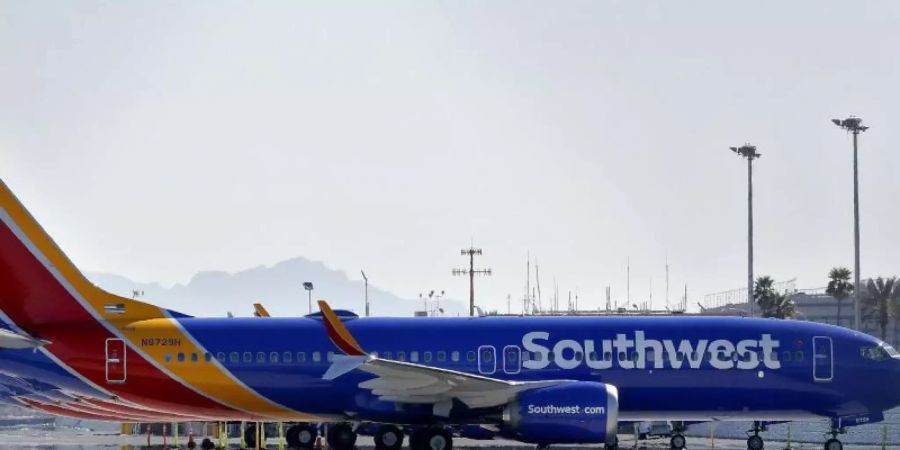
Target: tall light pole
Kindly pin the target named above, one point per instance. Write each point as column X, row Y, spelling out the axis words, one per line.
column 854, row 126
column 309, row 288
column 367, row 291
column 749, row 152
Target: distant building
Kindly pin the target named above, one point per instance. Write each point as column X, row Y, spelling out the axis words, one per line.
column 813, row 305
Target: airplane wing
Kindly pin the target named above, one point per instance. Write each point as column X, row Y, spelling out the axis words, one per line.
column 405, row 382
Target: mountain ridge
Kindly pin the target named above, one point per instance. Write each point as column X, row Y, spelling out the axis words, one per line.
column 278, row 286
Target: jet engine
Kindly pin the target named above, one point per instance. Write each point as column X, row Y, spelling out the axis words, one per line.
column 573, row 413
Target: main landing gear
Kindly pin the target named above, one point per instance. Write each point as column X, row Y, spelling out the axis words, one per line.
column 341, row 436
column 388, row 437
column 431, row 438
column 677, row 442
column 755, row 442
column 301, row 436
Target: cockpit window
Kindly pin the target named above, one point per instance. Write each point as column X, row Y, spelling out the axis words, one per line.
column 875, row 353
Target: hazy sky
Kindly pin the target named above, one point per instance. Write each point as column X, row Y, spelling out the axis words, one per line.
column 157, row 139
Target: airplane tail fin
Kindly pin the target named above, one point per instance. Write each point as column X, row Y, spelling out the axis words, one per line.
column 40, row 286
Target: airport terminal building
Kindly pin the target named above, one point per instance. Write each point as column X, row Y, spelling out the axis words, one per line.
column 813, row 305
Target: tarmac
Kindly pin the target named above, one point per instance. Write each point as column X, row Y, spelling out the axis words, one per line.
column 50, row 440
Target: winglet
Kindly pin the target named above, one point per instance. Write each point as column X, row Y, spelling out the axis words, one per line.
column 338, row 332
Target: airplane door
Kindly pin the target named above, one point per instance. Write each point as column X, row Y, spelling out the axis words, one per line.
column 823, row 359
column 487, row 359
column 116, row 357
column 512, row 359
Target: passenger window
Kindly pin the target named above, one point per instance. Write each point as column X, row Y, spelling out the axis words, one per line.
column 441, row 356
column 194, row 357
column 426, row 356
column 787, row 356
column 180, row 357
column 273, row 357
column 387, row 355
column 287, row 357
column 220, row 356
column 401, row 356
column 454, row 356
column 799, row 356
column 538, row 357
column 330, row 356
column 168, row 357
column 774, row 356
column 207, row 357
column 414, row 356
column 526, row 356
column 470, row 356
column 487, row 356
column 316, row 356
column 607, row 356
column 248, row 357
column 578, row 356
column 260, row 357
column 234, row 357
column 551, row 356
column 623, row 356
column 301, row 357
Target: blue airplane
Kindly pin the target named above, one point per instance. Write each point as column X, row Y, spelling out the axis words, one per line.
column 71, row 348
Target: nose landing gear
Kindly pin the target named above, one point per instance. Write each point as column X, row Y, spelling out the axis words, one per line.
column 755, row 442
column 678, row 441
column 834, row 443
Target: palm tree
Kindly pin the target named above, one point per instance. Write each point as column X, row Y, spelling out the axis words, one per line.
column 879, row 303
column 772, row 303
column 839, row 287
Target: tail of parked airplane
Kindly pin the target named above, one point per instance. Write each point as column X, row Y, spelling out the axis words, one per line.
column 40, row 286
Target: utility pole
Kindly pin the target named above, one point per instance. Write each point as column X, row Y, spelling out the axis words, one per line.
column 749, row 152
column 667, row 282
column 471, row 272
column 854, row 126
column 628, row 281
column 367, row 290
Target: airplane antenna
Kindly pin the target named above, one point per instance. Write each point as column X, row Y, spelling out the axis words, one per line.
column 471, row 272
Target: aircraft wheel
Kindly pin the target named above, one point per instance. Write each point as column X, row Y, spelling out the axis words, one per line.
column 755, row 442
column 341, row 437
column 207, row 444
column 250, row 436
column 301, row 436
column 833, row 444
column 388, row 437
column 677, row 442
column 438, row 439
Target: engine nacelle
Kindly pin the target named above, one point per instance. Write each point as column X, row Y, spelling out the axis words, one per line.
column 574, row 413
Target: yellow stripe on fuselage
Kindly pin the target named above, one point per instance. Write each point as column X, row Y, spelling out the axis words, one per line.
column 161, row 337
